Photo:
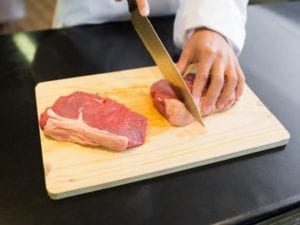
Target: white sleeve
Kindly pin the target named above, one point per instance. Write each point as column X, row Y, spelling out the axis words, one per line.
column 227, row 17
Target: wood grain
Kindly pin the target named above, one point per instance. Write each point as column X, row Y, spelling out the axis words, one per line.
column 72, row 169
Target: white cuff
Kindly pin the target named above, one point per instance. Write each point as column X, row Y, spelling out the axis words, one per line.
column 225, row 17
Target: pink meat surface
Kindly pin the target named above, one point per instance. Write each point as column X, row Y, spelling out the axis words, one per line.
column 170, row 104
column 89, row 119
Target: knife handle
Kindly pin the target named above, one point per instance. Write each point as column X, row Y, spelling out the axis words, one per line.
column 132, row 5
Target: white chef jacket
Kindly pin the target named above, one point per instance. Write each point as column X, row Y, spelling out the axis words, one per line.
column 11, row 10
column 228, row 17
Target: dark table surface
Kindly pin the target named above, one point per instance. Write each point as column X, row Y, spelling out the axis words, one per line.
column 242, row 190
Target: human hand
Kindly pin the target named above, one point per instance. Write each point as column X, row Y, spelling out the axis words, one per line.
column 218, row 70
column 142, row 5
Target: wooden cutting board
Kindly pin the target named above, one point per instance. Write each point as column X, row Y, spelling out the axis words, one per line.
column 72, row 169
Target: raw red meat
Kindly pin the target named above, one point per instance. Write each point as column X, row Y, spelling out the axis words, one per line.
column 166, row 102
column 170, row 104
column 89, row 119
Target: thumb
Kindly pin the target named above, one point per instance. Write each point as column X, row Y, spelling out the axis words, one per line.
column 143, row 7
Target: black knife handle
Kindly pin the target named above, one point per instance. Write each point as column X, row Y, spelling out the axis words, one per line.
column 132, row 5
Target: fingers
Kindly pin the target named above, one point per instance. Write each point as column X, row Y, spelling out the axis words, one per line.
column 241, row 82
column 201, row 78
column 215, row 87
column 143, row 7
column 184, row 61
column 225, row 86
column 229, row 87
column 202, row 72
column 219, row 80
column 230, row 103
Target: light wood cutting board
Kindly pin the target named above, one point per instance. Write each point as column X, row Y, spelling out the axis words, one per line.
column 72, row 169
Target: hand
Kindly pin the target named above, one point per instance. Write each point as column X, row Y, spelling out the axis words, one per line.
column 142, row 5
column 218, row 70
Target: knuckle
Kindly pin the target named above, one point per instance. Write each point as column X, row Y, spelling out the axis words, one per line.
column 219, row 80
column 234, row 79
column 219, row 54
column 208, row 49
column 204, row 77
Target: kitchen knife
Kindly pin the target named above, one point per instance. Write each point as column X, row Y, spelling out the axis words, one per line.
column 162, row 58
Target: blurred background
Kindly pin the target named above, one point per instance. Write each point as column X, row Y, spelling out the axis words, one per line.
column 30, row 15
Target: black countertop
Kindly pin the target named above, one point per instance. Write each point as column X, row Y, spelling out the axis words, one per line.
column 242, row 190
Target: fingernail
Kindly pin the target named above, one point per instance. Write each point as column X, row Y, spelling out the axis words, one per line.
column 207, row 109
column 196, row 100
column 145, row 11
column 221, row 105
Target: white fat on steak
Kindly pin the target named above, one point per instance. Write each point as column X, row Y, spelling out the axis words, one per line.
column 76, row 130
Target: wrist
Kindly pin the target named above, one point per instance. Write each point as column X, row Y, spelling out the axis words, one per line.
column 213, row 33
column 210, row 32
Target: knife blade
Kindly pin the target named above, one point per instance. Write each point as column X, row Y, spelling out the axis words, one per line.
column 162, row 58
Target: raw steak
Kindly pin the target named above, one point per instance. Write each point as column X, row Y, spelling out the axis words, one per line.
column 89, row 119
column 170, row 104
